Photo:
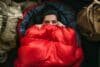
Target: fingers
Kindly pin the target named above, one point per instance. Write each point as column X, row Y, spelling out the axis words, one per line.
column 38, row 25
column 60, row 24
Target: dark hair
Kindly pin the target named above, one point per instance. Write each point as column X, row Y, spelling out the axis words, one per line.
column 40, row 16
column 47, row 10
column 50, row 12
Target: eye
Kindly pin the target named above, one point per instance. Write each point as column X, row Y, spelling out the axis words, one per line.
column 54, row 21
column 46, row 22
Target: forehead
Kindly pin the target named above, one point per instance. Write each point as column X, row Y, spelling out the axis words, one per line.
column 50, row 17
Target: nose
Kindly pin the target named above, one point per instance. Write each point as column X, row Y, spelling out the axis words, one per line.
column 51, row 23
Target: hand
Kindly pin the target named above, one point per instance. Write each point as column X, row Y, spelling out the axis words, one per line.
column 39, row 25
column 60, row 24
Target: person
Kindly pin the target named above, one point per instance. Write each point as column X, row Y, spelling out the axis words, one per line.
column 50, row 44
column 50, row 18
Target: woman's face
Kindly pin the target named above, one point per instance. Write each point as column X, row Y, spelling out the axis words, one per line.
column 50, row 19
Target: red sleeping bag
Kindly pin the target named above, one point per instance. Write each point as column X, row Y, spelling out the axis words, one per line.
column 49, row 46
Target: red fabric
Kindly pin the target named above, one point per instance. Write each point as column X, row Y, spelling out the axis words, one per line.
column 49, row 46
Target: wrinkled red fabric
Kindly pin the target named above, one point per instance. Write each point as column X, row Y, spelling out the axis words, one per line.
column 49, row 46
